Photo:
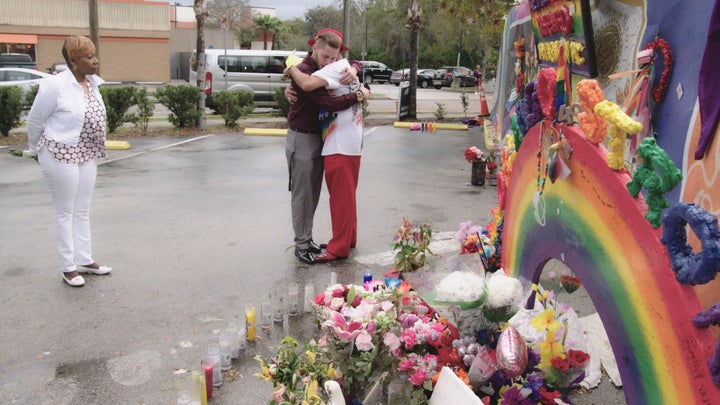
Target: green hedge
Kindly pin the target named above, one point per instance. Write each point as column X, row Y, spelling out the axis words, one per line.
column 182, row 101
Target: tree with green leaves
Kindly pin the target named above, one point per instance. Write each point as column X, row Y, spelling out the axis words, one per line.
column 268, row 25
column 238, row 18
column 234, row 9
column 482, row 20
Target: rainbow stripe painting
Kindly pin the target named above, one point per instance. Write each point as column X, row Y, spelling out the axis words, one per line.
column 589, row 221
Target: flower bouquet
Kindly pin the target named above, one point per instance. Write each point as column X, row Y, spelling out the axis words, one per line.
column 491, row 167
column 504, row 297
column 543, row 370
column 354, row 321
column 411, row 245
column 469, row 237
column 297, row 375
column 476, row 157
column 562, row 366
column 383, row 327
column 473, row 154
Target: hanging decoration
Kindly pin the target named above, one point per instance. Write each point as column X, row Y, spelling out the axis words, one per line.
column 662, row 46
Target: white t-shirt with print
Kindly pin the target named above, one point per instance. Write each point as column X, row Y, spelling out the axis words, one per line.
column 342, row 130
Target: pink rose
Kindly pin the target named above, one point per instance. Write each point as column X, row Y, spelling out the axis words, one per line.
column 405, row 365
column 392, row 341
column 363, row 342
column 320, row 299
column 409, row 338
column 418, row 377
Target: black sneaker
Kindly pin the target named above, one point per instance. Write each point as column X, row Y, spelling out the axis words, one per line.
column 314, row 248
column 305, row 256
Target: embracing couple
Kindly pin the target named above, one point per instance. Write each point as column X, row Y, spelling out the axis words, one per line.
column 325, row 131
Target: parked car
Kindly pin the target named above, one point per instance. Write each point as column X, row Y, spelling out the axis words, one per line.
column 445, row 76
column 375, row 72
column 17, row 60
column 257, row 71
column 425, row 77
column 57, row 67
column 24, row 78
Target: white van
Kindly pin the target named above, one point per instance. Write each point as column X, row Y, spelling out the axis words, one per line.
column 258, row 71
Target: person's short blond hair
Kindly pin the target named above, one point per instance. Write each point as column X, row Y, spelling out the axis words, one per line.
column 76, row 46
column 330, row 39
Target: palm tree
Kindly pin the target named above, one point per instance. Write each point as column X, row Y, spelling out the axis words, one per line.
column 268, row 25
column 200, row 14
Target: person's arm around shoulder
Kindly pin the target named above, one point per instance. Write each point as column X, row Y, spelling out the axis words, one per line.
column 327, row 102
column 304, row 81
column 44, row 105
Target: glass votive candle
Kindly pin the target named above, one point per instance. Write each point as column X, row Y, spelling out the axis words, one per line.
column 309, row 297
column 207, row 368
column 198, row 388
column 226, row 343
column 278, row 305
column 242, row 339
column 266, row 315
column 183, row 398
column 232, row 331
column 292, row 300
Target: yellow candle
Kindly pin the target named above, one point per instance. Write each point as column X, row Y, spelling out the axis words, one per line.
column 199, row 389
column 250, row 322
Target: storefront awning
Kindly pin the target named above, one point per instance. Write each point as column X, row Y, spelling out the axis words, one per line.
column 18, row 39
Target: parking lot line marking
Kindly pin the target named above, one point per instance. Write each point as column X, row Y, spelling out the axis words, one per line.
column 172, row 145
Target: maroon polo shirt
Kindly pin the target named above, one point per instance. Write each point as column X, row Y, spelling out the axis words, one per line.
column 304, row 113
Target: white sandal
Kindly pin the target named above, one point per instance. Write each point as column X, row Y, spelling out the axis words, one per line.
column 77, row 281
column 100, row 270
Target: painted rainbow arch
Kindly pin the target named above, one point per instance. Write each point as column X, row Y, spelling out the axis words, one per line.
column 593, row 225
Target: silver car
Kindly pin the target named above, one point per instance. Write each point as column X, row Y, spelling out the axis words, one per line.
column 24, row 78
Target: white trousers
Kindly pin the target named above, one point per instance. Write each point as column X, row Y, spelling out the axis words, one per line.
column 71, row 187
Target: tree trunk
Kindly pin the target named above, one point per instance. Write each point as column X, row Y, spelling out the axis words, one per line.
column 414, row 13
column 94, row 27
column 200, row 14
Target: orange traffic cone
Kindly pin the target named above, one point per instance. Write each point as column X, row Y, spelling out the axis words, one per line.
column 484, row 110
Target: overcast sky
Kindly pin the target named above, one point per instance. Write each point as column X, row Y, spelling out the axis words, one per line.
column 284, row 9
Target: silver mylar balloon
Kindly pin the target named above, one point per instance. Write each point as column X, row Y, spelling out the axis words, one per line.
column 512, row 355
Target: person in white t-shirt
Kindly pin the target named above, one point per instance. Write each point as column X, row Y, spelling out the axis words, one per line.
column 342, row 149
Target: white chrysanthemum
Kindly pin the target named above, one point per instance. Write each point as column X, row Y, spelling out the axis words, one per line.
column 503, row 291
column 460, row 286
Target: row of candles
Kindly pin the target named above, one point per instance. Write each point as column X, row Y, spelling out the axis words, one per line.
column 274, row 308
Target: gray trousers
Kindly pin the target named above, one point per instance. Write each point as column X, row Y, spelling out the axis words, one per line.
column 305, row 166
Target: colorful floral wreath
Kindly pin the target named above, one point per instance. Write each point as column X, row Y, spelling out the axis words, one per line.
column 692, row 268
column 663, row 46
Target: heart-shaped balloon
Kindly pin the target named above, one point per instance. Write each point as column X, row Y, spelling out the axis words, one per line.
column 512, row 357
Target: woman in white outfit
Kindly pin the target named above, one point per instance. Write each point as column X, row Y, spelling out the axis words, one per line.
column 66, row 134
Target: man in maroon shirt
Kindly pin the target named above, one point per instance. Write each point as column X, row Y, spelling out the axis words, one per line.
column 304, row 140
